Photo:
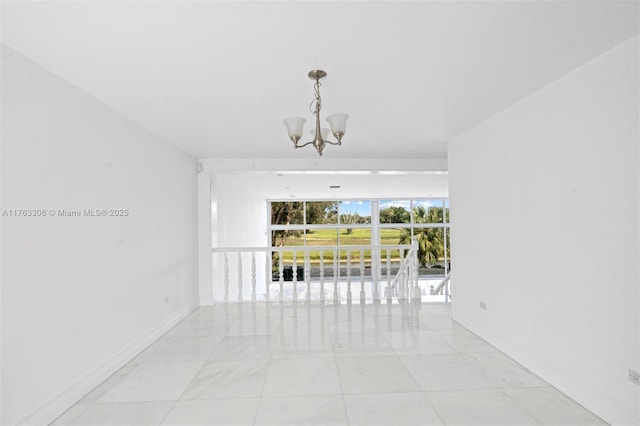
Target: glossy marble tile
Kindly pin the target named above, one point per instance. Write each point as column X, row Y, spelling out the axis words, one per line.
column 293, row 326
column 551, row 407
column 201, row 326
column 418, row 342
column 184, row 349
column 356, row 324
column 68, row 416
column 445, row 372
column 153, row 382
column 124, row 413
column 374, row 374
column 438, row 322
column 504, row 371
column 360, row 344
column 301, row 410
column 113, row 380
column 223, row 412
column 383, row 409
column 302, row 376
column 254, row 327
column 228, row 379
column 289, row 345
column 147, row 351
column 368, row 318
column 479, row 407
column 309, row 364
column 464, row 341
column 243, row 347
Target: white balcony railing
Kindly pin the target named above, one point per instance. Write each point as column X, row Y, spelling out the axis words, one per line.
column 317, row 273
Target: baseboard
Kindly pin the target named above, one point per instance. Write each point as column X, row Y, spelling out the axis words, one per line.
column 66, row 399
column 598, row 403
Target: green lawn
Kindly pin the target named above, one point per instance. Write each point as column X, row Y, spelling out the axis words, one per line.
column 328, row 237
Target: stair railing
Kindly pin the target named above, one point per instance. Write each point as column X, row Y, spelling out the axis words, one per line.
column 404, row 285
column 443, row 288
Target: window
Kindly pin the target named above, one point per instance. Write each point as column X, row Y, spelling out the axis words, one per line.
column 353, row 248
column 348, row 224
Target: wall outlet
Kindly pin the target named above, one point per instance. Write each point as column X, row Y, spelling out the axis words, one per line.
column 634, row 377
column 483, row 306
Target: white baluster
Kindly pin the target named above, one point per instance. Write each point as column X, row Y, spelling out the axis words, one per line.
column 253, row 276
column 281, row 274
column 322, row 275
column 348, row 276
column 362, row 276
column 389, row 289
column 414, row 275
column 375, row 275
column 226, row 277
column 407, row 276
column 295, row 276
column 335, row 275
column 447, row 291
column 417, row 295
column 307, row 272
column 401, row 276
column 267, row 274
column 239, row 277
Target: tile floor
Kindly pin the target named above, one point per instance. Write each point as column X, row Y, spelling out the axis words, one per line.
column 324, row 365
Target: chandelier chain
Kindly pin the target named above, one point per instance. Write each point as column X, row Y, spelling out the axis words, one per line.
column 317, row 101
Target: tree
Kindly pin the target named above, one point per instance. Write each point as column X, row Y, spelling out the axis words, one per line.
column 430, row 240
column 395, row 214
column 321, row 212
column 285, row 213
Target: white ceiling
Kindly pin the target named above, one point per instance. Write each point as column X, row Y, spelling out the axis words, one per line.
column 351, row 185
column 217, row 78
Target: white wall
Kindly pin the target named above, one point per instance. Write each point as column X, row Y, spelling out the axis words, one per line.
column 83, row 295
column 241, row 222
column 544, row 216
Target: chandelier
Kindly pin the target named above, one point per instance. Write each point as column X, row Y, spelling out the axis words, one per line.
column 337, row 122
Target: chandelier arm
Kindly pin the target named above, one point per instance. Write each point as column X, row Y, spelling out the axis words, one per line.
column 305, row 144
column 333, row 143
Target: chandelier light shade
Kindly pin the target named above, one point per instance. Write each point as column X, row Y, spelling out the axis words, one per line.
column 294, row 127
column 337, row 122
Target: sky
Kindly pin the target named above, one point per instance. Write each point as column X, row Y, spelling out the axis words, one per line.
column 363, row 208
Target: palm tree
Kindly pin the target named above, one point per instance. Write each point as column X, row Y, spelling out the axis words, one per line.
column 430, row 240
